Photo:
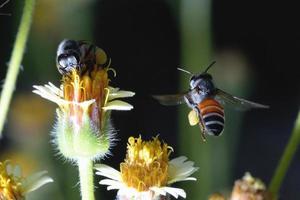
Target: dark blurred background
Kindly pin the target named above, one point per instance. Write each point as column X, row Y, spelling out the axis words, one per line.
column 256, row 46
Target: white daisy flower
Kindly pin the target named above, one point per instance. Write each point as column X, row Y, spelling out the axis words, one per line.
column 83, row 128
column 146, row 172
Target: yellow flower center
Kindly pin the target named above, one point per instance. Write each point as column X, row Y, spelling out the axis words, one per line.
column 86, row 87
column 10, row 185
column 79, row 88
column 146, row 164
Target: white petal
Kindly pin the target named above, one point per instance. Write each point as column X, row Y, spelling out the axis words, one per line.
column 113, row 187
column 84, row 104
column 17, row 171
column 182, row 166
column 189, row 179
column 36, row 180
column 107, row 171
column 120, row 94
column 177, row 178
column 9, row 169
column 179, row 159
column 180, row 170
column 186, row 171
column 158, row 191
column 47, row 94
column 112, row 184
column 175, row 192
column 117, row 105
column 130, row 193
column 53, row 89
column 183, row 170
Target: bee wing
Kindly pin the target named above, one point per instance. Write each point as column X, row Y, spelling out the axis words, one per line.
column 237, row 102
column 170, row 99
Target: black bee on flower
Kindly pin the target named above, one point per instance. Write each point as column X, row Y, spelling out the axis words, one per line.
column 79, row 55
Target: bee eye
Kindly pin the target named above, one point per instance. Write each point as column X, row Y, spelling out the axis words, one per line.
column 66, row 61
column 192, row 84
column 72, row 60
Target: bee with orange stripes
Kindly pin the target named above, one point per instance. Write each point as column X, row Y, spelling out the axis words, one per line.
column 206, row 101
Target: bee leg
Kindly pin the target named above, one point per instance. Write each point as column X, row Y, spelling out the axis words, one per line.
column 202, row 126
column 203, row 131
column 190, row 103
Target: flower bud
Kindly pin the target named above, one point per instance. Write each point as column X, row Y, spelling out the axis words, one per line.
column 83, row 128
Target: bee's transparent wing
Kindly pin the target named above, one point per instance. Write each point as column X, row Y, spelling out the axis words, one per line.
column 239, row 103
column 170, row 99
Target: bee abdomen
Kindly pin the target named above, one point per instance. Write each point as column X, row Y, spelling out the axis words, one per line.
column 213, row 116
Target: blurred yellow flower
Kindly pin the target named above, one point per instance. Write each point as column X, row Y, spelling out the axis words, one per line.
column 249, row 188
column 216, row 196
column 146, row 171
column 13, row 186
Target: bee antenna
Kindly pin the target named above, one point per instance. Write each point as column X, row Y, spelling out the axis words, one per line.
column 209, row 66
column 183, row 70
column 3, row 4
column 5, row 14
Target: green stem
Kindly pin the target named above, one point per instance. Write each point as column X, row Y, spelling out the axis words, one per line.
column 86, row 179
column 15, row 61
column 285, row 160
column 196, row 51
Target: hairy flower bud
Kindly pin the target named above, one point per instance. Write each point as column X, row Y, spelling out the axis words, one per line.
column 83, row 128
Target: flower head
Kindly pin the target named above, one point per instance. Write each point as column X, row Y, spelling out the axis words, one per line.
column 147, row 172
column 14, row 186
column 216, row 196
column 83, row 126
column 249, row 188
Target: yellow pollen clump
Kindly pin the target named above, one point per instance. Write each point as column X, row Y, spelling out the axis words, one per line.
column 10, row 185
column 146, row 164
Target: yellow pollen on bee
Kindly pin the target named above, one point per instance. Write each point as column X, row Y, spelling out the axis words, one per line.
column 146, row 164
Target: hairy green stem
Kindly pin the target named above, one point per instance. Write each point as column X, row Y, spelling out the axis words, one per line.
column 85, row 167
column 15, row 61
column 285, row 160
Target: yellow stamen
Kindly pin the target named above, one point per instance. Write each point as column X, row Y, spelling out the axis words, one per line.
column 80, row 88
column 146, row 164
column 106, row 95
column 112, row 69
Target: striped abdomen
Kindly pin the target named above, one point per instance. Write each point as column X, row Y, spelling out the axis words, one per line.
column 212, row 114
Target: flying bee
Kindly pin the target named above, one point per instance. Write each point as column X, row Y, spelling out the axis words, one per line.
column 206, row 101
column 79, row 55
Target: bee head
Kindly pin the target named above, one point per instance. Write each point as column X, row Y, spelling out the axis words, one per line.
column 202, row 82
column 199, row 79
column 68, row 56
